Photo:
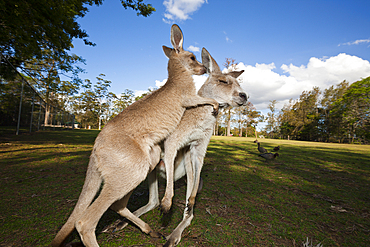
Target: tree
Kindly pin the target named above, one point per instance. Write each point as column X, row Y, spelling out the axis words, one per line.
column 93, row 105
column 240, row 112
column 228, row 120
column 122, row 101
column 286, row 119
column 272, row 119
column 247, row 117
column 230, row 64
column 354, row 108
column 46, row 73
column 150, row 90
column 28, row 26
column 103, row 97
column 331, row 120
column 254, row 117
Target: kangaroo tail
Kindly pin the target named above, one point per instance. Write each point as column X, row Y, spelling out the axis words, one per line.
column 92, row 184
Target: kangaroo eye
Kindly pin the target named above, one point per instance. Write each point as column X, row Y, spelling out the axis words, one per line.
column 192, row 58
column 222, row 81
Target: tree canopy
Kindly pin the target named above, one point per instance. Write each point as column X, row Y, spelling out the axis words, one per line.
column 27, row 27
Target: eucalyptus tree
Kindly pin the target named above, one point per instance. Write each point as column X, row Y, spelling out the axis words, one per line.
column 331, row 118
column 354, row 108
column 271, row 126
column 247, row 116
column 93, row 105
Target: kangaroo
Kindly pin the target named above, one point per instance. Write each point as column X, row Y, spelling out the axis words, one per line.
column 127, row 149
column 191, row 138
column 184, row 134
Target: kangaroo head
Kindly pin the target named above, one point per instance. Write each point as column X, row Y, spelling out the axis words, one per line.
column 223, row 87
column 179, row 57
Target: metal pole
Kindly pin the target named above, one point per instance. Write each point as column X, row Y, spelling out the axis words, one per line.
column 73, row 122
column 53, row 120
column 33, row 103
column 38, row 123
column 20, row 109
column 43, row 127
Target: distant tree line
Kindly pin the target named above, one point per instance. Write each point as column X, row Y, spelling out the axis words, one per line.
column 339, row 113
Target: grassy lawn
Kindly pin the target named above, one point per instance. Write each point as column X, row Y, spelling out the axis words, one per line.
column 312, row 190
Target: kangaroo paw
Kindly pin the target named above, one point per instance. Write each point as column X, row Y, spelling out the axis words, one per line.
column 171, row 242
column 156, row 235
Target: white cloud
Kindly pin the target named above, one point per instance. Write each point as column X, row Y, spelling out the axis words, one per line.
column 198, row 81
column 159, row 84
column 357, row 42
column 193, row 48
column 227, row 38
column 180, row 9
column 263, row 84
column 139, row 92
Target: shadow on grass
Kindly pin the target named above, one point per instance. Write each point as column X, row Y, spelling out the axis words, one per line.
column 316, row 191
column 327, row 186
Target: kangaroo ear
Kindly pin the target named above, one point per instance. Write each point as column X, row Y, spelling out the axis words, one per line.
column 176, row 38
column 209, row 62
column 167, row 51
column 235, row 74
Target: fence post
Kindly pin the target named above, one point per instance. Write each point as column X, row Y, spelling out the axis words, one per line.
column 53, row 119
column 33, row 103
column 64, row 121
column 20, row 109
column 43, row 127
column 38, row 123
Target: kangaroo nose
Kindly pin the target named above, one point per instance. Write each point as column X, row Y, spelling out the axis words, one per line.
column 243, row 95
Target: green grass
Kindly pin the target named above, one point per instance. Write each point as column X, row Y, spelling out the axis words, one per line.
column 315, row 190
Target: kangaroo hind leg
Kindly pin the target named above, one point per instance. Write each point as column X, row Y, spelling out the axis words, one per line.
column 91, row 186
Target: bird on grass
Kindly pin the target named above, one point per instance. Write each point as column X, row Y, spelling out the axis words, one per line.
column 269, row 156
column 276, row 149
column 261, row 149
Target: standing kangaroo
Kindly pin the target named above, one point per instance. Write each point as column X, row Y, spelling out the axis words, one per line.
column 191, row 138
column 127, row 149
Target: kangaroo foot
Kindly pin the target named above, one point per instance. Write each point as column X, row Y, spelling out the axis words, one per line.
column 171, row 242
column 154, row 234
column 166, row 205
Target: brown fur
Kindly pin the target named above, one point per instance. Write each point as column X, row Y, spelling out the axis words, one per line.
column 127, row 149
column 191, row 138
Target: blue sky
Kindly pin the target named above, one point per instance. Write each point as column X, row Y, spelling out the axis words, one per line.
column 284, row 47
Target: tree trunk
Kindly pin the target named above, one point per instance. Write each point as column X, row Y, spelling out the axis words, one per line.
column 228, row 121
column 255, row 131
column 228, row 127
